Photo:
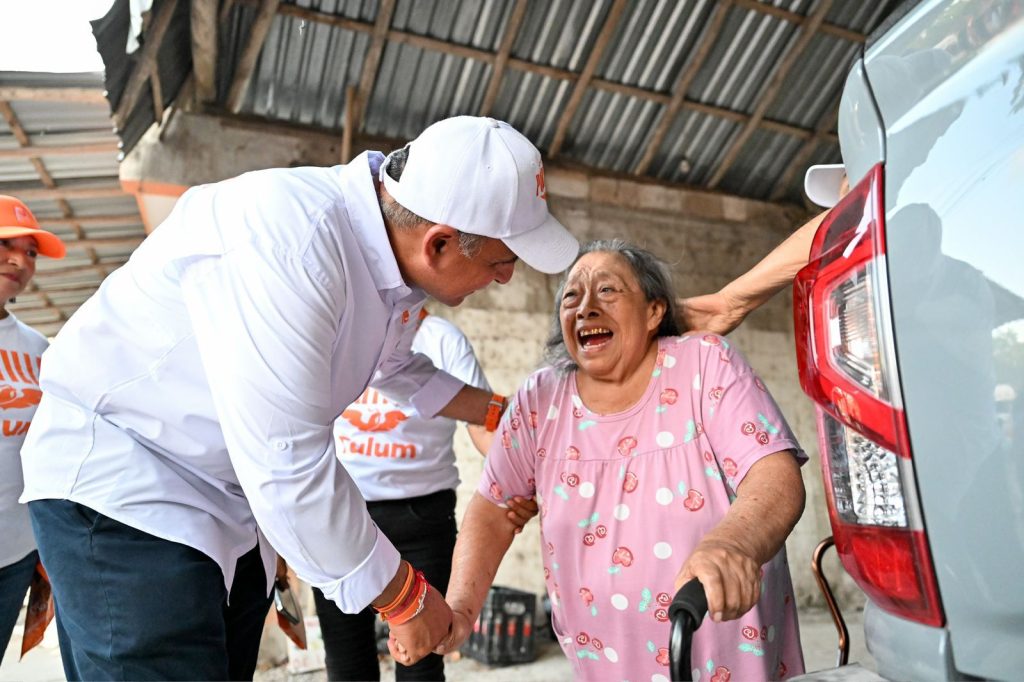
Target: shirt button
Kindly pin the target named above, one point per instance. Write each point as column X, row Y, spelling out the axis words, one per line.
column 281, row 445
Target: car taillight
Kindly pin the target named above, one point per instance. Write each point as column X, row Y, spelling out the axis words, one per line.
column 847, row 366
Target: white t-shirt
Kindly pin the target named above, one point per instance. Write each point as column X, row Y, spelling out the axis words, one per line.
column 193, row 397
column 20, row 350
column 391, row 451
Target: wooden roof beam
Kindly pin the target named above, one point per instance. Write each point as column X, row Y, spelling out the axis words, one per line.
column 807, row 31
column 247, row 61
column 583, row 81
column 796, row 18
column 65, row 192
column 371, row 62
column 56, row 94
column 203, row 22
column 799, row 160
column 21, row 135
column 129, row 220
column 146, row 64
column 705, row 43
column 501, row 57
column 30, row 151
column 435, row 44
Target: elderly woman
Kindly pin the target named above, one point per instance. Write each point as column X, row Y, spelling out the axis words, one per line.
column 655, row 458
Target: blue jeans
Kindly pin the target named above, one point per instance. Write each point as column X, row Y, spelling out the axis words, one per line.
column 132, row 606
column 423, row 530
column 14, row 582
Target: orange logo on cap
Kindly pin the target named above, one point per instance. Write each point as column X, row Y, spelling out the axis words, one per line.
column 20, row 214
column 542, row 190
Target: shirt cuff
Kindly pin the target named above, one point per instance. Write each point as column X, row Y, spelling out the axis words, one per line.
column 436, row 393
column 366, row 582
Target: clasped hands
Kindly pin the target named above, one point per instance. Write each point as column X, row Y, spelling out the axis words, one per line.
column 417, row 637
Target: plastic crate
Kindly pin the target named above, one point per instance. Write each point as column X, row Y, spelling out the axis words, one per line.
column 504, row 632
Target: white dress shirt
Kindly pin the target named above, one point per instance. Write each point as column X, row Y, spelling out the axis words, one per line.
column 193, row 396
column 389, row 449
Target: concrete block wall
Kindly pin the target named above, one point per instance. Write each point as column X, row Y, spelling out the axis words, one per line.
column 707, row 239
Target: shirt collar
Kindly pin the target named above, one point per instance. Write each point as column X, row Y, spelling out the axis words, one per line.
column 368, row 226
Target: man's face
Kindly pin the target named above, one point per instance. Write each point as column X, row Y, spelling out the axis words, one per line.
column 455, row 277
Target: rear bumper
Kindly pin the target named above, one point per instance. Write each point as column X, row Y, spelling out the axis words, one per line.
column 848, row 673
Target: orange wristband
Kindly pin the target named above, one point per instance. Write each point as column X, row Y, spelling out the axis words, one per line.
column 415, row 606
column 494, row 409
column 403, row 593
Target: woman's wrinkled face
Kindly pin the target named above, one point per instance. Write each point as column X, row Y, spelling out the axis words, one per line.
column 607, row 323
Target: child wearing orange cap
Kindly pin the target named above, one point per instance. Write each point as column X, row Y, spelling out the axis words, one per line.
column 21, row 241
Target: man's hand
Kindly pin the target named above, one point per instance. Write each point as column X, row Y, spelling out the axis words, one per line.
column 731, row 579
column 461, row 629
column 415, row 638
column 520, row 511
column 716, row 313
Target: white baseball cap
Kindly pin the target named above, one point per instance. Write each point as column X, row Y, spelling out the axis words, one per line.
column 484, row 177
column 822, row 183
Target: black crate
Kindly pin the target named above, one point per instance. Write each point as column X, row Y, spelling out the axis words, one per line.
column 504, row 632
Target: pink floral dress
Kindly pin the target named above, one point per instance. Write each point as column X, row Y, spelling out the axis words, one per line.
column 626, row 497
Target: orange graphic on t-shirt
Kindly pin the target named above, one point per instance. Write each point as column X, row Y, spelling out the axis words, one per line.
column 10, row 398
column 376, row 420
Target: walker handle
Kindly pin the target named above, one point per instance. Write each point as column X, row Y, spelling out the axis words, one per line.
column 686, row 612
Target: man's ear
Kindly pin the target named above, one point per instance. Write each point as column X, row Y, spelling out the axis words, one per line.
column 439, row 242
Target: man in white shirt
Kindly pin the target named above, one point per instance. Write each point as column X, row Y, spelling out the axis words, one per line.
column 188, row 405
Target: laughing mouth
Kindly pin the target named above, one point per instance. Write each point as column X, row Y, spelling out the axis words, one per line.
column 593, row 337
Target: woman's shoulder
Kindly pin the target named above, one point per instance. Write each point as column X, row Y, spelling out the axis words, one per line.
column 703, row 347
column 543, row 383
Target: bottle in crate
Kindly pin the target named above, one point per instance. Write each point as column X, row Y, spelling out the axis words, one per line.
column 503, row 633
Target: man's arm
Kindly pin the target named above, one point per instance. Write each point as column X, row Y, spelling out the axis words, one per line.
column 723, row 311
column 469, row 405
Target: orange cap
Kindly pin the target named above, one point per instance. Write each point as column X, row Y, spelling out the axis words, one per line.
column 17, row 221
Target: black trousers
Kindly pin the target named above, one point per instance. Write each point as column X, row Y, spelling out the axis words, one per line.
column 132, row 606
column 423, row 530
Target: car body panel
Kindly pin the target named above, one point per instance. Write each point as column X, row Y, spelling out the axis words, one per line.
column 947, row 85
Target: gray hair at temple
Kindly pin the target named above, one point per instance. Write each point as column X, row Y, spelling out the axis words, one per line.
column 399, row 217
column 655, row 281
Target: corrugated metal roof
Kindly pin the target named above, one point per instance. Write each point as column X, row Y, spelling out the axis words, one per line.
column 439, row 57
column 308, row 61
column 60, row 286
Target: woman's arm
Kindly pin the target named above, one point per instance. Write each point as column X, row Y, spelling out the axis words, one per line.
column 728, row 560
column 723, row 311
column 484, row 538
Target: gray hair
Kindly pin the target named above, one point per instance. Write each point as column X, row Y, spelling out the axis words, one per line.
column 398, row 217
column 655, row 282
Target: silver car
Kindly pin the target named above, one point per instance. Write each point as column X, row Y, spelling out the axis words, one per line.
column 910, row 334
